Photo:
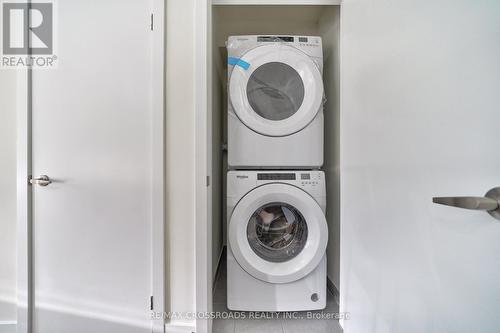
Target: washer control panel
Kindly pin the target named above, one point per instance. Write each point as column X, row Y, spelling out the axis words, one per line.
column 240, row 182
column 308, row 179
column 312, row 181
column 276, row 176
column 298, row 178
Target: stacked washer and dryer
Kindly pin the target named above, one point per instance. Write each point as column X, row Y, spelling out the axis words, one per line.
column 276, row 196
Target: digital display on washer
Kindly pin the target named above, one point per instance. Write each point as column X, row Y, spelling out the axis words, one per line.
column 275, row 39
column 305, row 176
column 275, row 176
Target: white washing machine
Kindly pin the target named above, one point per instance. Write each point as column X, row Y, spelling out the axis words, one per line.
column 275, row 102
column 277, row 237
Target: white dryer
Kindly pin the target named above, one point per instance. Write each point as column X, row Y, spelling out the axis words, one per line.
column 277, row 237
column 275, row 102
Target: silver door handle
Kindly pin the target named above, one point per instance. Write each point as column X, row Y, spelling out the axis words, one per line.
column 43, row 180
column 477, row 203
column 490, row 202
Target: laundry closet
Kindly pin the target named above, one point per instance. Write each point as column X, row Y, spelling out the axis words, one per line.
column 274, row 21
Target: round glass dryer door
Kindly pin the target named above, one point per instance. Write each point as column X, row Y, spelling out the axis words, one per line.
column 275, row 91
column 278, row 233
column 279, row 92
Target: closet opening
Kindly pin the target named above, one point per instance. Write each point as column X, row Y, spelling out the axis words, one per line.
column 275, row 20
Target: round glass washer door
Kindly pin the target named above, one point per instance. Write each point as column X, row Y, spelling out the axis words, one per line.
column 278, row 233
column 279, row 93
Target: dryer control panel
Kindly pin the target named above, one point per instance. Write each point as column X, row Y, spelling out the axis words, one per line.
column 311, row 45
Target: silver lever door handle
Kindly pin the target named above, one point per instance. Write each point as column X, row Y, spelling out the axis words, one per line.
column 43, row 180
column 490, row 202
column 477, row 203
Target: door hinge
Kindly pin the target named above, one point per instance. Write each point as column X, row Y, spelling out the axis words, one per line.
column 208, row 181
column 152, row 22
column 151, row 303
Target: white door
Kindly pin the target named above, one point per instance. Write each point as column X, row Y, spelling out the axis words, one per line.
column 91, row 134
column 420, row 119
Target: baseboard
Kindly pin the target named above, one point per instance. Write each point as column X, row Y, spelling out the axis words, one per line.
column 8, row 327
column 332, row 289
column 177, row 328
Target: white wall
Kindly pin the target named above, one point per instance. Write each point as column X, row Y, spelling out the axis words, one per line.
column 180, row 156
column 7, row 195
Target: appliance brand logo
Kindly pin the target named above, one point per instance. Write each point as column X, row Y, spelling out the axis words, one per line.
column 241, row 176
column 28, row 34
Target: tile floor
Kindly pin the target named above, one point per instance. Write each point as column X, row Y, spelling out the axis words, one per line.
column 274, row 325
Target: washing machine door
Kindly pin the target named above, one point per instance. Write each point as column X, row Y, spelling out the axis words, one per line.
column 275, row 90
column 278, row 233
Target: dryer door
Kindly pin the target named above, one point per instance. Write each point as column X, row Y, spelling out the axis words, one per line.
column 276, row 90
column 278, row 233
